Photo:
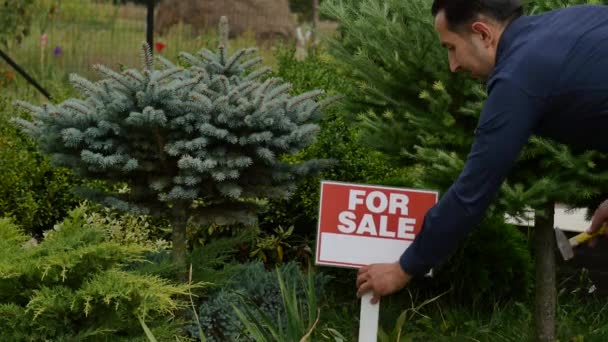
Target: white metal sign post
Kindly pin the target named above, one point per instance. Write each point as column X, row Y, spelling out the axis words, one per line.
column 363, row 224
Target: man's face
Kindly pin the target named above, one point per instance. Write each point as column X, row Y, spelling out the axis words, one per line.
column 471, row 49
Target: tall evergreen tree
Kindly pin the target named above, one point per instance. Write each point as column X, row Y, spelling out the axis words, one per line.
column 420, row 114
column 200, row 143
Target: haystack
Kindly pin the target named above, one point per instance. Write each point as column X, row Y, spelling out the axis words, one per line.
column 267, row 19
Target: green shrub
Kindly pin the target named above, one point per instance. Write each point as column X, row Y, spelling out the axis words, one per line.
column 317, row 71
column 298, row 322
column 338, row 141
column 209, row 260
column 32, row 192
column 256, row 286
column 125, row 228
column 72, row 286
column 493, row 265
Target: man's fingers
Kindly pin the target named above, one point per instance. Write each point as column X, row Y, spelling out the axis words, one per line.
column 366, row 286
column 363, row 274
column 592, row 242
column 361, row 278
column 599, row 217
column 595, row 225
column 375, row 299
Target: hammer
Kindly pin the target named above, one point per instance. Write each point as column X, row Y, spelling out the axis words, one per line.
column 566, row 246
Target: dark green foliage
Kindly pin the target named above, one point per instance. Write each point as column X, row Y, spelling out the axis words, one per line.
column 579, row 319
column 297, row 322
column 72, row 286
column 390, row 51
column 492, row 266
column 209, row 260
column 250, row 285
column 338, row 141
column 32, row 192
column 423, row 117
column 317, row 71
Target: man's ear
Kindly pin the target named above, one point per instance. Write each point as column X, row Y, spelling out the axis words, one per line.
column 485, row 31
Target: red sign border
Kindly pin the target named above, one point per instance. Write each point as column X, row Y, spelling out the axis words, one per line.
column 343, row 264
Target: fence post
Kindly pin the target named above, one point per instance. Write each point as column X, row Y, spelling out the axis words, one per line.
column 150, row 25
column 25, row 75
column 315, row 20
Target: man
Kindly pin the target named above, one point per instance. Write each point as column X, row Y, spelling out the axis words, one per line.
column 546, row 75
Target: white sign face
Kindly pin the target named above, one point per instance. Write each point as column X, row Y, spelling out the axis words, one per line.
column 362, row 224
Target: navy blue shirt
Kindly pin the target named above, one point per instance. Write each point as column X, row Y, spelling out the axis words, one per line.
column 550, row 79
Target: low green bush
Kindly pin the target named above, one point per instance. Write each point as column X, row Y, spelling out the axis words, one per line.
column 32, row 192
column 250, row 285
column 126, row 228
column 73, row 286
column 493, row 265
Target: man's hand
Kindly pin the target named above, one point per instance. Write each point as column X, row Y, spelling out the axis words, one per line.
column 600, row 216
column 381, row 279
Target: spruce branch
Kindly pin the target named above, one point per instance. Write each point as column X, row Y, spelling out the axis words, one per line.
column 296, row 101
column 190, row 83
column 204, row 89
column 282, row 89
column 191, row 60
column 208, row 56
column 166, row 74
column 330, row 101
column 28, row 107
column 222, row 56
column 135, row 75
column 77, row 106
column 235, row 59
column 250, row 63
column 85, row 86
column 211, row 59
column 146, row 57
column 240, row 91
column 258, row 73
column 105, row 71
column 165, row 62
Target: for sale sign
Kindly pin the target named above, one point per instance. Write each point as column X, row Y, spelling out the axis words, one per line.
column 363, row 224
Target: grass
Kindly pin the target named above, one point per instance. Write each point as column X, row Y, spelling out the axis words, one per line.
column 581, row 316
column 509, row 322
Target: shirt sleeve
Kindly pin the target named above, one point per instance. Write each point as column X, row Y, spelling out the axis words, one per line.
column 507, row 121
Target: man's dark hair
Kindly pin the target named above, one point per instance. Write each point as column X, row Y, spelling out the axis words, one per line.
column 460, row 12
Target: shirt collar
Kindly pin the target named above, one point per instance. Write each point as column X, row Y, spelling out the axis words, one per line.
column 507, row 38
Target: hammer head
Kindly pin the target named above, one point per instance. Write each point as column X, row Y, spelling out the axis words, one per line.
column 563, row 244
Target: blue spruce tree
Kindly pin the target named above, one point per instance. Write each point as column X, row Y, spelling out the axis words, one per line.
column 201, row 142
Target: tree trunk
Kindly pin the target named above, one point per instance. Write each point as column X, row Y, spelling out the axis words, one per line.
column 179, row 222
column 545, row 275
